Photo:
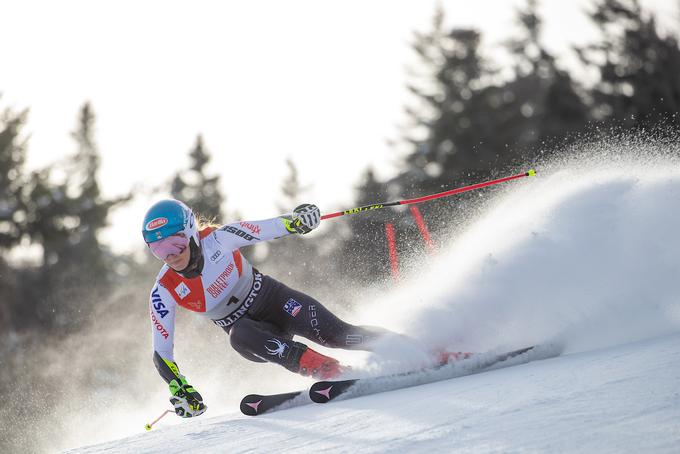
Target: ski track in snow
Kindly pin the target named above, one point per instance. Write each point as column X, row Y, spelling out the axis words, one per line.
column 588, row 254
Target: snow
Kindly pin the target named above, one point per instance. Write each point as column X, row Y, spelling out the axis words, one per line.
column 613, row 400
column 587, row 252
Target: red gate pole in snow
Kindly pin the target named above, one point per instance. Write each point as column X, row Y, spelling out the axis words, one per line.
column 392, row 242
column 392, row 246
column 424, row 232
column 389, row 228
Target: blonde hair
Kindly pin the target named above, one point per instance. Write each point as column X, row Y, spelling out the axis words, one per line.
column 204, row 222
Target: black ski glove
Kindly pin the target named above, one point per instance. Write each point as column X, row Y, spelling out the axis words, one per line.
column 306, row 217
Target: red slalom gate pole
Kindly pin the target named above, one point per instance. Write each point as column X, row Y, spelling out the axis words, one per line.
column 424, row 232
column 392, row 246
column 377, row 206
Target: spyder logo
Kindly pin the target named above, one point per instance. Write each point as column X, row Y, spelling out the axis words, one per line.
column 279, row 349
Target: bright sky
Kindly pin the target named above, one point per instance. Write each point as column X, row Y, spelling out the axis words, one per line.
column 322, row 82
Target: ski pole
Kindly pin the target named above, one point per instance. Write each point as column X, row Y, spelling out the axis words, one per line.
column 147, row 426
column 377, row 206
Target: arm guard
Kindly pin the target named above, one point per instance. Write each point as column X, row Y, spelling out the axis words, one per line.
column 168, row 369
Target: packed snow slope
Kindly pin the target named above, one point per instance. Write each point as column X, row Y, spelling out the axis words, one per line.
column 616, row 400
column 588, row 252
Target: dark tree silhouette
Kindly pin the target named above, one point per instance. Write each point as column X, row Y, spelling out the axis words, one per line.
column 639, row 84
column 192, row 186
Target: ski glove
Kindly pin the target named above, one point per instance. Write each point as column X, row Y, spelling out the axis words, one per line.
column 186, row 400
column 306, row 217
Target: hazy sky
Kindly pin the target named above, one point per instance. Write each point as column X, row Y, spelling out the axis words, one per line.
column 321, row 82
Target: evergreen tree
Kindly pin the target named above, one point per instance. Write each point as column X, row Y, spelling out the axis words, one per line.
column 545, row 106
column 69, row 214
column 12, row 210
column 363, row 246
column 459, row 132
column 199, row 191
column 468, row 123
column 451, row 139
column 639, row 84
column 445, row 136
column 88, row 205
column 65, row 218
column 303, row 252
column 471, row 124
column 291, row 189
column 12, row 157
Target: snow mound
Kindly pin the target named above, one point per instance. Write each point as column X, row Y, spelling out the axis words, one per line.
column 591, row 256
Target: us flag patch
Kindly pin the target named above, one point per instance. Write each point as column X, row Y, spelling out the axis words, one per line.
column 292, row 307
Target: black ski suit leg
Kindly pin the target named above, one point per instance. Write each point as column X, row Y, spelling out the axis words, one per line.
column 266, row 332
column 300, row 314
column 260, row 341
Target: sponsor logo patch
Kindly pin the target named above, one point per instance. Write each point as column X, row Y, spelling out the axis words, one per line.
column 255, row 229
column 354, row 339
column 240, row 312
column 156, row 223
column 292, row 307
column 182, row 290
column 216, row 256
column 194, row 305
column 220, row 284
column 238, row 232
column 279, row 348
column 314, row 322
column 157, row 303
column 159, row 327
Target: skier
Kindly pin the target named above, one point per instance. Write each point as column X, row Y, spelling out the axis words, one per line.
column 204, row 272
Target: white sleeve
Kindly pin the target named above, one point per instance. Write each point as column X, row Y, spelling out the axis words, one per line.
column 245, row 233
column 162, row 311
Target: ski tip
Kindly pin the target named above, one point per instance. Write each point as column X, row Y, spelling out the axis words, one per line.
column 257, row 404
column 552, row 348
column 325, row 391
column 250, row 405
column 321, row 392
column 531, row 173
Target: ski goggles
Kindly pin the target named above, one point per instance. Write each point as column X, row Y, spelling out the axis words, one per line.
column 174, row 244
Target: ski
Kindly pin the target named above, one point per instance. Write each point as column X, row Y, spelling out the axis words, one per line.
column 325, row 391
column 257, row 404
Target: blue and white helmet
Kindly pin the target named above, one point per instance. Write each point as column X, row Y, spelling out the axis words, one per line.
column 168, row 217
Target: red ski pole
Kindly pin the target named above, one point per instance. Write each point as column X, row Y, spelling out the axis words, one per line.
column 377, row 206
column 148, row 426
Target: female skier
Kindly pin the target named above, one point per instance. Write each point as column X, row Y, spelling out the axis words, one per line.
column 204, row 272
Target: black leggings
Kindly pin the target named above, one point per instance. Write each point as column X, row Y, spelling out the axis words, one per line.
column 265, row 333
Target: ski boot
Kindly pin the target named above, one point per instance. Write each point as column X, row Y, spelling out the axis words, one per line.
column 318, row 366
column 445, row 357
